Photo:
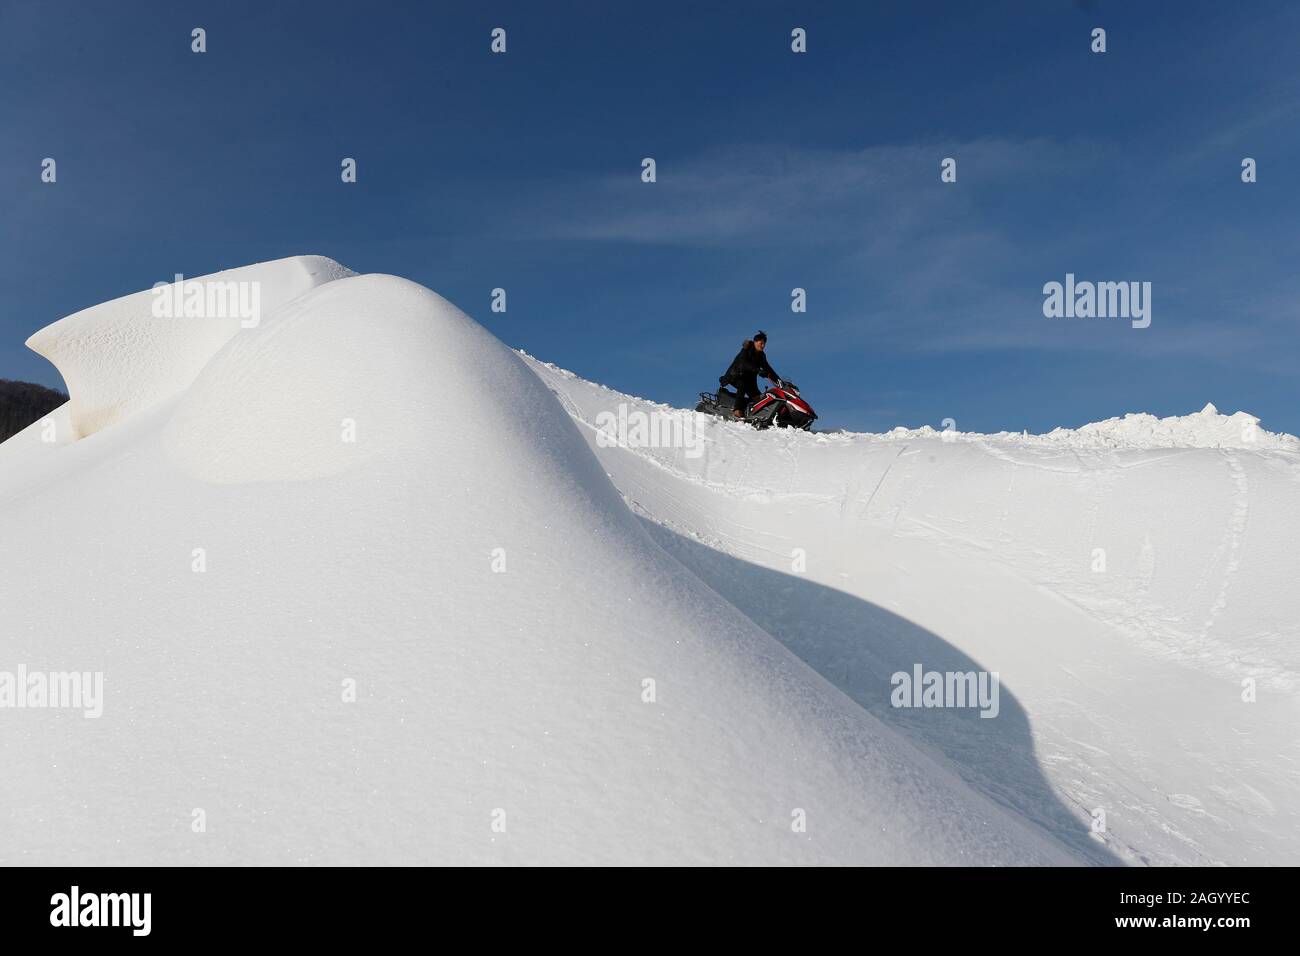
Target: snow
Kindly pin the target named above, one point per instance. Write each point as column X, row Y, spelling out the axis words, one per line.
column 1204, row 429
column 1131, row 581
column 367, row 489
column 570, row 651
column 120, row 358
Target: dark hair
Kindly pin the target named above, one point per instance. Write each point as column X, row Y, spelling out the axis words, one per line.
column 760, row 334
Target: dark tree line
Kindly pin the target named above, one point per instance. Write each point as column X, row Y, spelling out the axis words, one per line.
column 22, row 403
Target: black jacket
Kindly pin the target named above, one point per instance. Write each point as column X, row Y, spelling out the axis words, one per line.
column 745, row 368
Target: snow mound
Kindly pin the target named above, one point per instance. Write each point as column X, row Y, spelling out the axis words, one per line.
column 364, row 594
column 133, row 353
column 341, row 375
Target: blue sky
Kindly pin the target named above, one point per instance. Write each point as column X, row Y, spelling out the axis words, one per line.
column 775, row 170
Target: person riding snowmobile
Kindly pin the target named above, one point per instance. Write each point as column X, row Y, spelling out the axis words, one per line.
column 744, row 371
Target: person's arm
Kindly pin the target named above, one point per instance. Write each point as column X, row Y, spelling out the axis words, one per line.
column 768, row 372
column 729, row 375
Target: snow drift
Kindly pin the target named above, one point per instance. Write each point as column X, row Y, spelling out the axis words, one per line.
column 334, row 629
column 1132, row 582
column 120, row 357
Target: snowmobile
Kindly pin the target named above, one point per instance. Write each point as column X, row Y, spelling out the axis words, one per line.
column 780, row 405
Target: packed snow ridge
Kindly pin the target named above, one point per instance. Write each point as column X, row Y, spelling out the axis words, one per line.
column 1204, row 429
column 1207, row 428
column 336, row 629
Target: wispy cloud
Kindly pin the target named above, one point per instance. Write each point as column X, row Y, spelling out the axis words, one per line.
column 914, row 264
column 757, row 195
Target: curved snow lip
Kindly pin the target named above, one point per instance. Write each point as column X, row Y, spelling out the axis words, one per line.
column 136, row 352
